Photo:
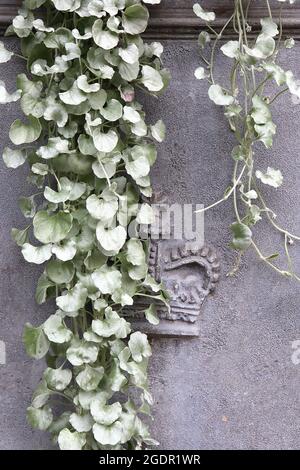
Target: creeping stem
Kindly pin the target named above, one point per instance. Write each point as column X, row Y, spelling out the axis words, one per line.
column 244, row 85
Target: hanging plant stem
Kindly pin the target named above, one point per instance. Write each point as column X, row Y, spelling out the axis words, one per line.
column 248, row 109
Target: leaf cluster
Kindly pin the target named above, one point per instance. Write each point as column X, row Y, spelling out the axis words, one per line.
column 89, row 152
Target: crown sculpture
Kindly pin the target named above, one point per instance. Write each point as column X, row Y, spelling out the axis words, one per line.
column 189, row 273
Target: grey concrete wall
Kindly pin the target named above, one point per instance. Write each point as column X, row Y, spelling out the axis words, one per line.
column 234, row 387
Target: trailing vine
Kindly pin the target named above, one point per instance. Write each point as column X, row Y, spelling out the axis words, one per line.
column 90, row 160
column 248, row 109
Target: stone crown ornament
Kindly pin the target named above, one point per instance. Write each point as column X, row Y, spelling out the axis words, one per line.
column 190, row 273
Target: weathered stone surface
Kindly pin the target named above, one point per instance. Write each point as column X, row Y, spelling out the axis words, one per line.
column 235, row 386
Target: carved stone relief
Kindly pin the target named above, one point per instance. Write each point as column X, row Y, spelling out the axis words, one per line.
column 190, row 273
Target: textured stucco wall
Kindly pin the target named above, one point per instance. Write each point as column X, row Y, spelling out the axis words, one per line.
column 235, row 387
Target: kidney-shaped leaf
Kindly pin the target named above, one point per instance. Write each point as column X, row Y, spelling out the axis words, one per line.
column 105, row 414
column 242, row 236
column 52, row 228
column 89, row 378
column 21, row 133
column 58, row 379
column 135, row 19
column 74, row 299
column 35, row 341
column 68, row 440
column 56, row 331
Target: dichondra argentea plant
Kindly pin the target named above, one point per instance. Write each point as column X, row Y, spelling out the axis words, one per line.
column 248, row 109
column 89, row 153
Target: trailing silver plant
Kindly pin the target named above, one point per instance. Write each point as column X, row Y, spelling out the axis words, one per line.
column 248, row 109
column 89, row 153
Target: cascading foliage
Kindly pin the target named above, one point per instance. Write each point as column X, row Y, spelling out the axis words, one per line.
column 89, row 152
column 248, row 108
